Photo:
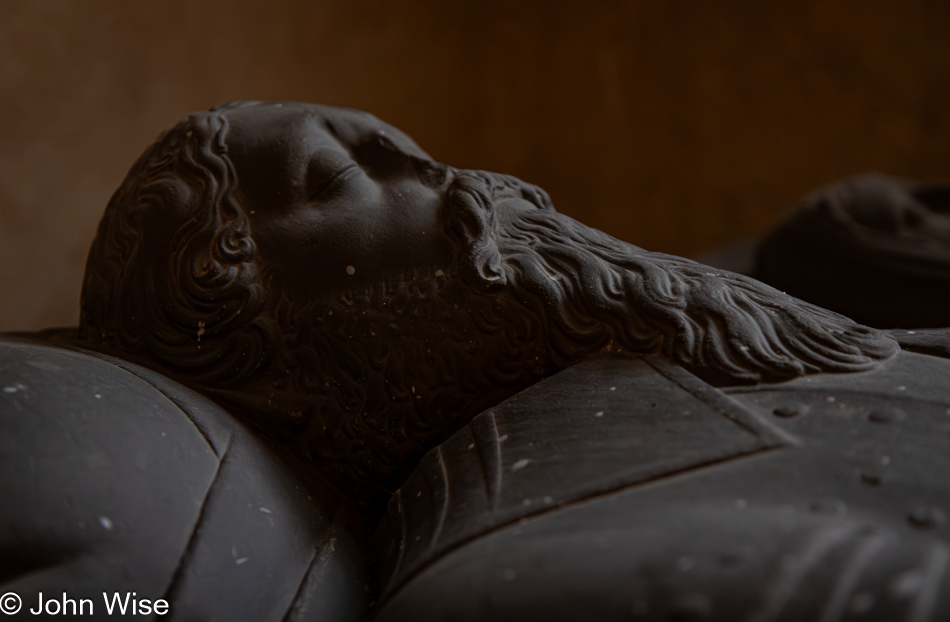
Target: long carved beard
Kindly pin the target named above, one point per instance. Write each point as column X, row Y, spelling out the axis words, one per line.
column 594, row 292
column 396, row 369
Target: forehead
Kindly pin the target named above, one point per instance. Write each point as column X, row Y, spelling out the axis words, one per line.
column 295, row 126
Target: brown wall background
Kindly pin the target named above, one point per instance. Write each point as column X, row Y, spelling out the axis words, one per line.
column 674, row 125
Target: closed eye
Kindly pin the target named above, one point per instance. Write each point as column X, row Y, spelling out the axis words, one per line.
column 327, row 172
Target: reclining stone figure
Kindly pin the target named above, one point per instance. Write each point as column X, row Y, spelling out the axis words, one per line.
column 552, row 424
column 874, row 248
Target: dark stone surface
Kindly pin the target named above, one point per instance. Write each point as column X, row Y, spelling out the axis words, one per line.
column 872, row 248
column 116, row 479
column 315, row 271
column 599, row 426
column 935, row 342
column 572, row 426
column 793, row 530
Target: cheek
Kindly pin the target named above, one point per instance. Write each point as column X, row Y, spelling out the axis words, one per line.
column 412, row 227
column 316, row 257
column 355, row 240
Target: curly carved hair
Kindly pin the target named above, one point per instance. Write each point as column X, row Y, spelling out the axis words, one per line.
column 589, row 292
column 172, row 273
column 174, row 277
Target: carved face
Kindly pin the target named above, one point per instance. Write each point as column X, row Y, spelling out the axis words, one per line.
column 336, row 198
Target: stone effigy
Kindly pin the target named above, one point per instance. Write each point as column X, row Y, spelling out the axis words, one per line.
column 873, row 248
column 320, row 376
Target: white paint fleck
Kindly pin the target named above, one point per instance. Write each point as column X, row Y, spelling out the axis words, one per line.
column 240, row 561
column 350, row 270
column 9, row 389
column 830, row 399
column 471, row 446
column 265, row 510
column 901, row 388
column 98, row 396
column 517, row 466
column 613, row 388
column 599, row 413
column 502, row 438
column 912, row 332
column 106, row 523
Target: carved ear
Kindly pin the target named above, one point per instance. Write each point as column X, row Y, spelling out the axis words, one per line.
column 470, row 223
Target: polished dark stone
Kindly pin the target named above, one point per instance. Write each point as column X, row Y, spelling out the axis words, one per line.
column 320, row 376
